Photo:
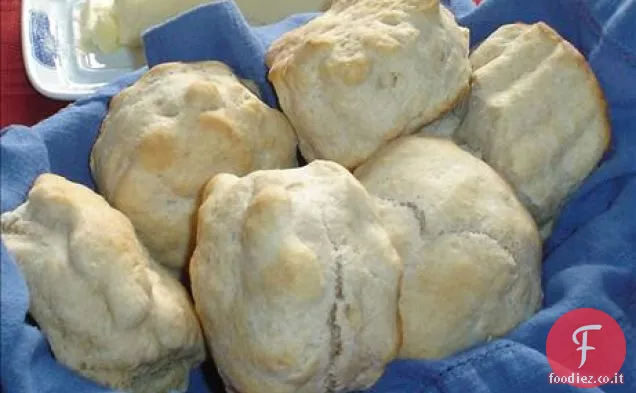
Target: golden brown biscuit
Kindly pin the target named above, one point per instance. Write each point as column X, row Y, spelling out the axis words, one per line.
column 470, row 249
column 107, row 309
column 536, row 114
column 296, row 281
column 164, row 137
column 366, row 72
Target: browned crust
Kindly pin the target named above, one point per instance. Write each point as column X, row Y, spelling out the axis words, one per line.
column 593, row 82
column 286, row 50
column 580, row 60
column 154, row 73
column 450, row 105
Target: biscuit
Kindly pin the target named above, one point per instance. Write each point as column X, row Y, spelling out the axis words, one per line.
column 295, row 281
column 536, row 114
column 168, row 134
column 471, row 251
column 107, row 309
column 366, row 72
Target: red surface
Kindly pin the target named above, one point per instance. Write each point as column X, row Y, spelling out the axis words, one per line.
column 19, row 102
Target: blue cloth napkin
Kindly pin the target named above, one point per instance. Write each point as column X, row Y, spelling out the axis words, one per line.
column 590, row 259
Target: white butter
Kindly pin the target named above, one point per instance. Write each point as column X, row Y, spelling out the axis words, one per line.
column 98, row 26
column 259, row 12
column 109, row 24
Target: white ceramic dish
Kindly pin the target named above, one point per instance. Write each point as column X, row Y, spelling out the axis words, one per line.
column 56, row 65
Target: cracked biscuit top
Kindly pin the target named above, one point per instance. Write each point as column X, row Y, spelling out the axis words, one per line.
column 470, row 249
column 165, row 136
column 296, row 281
column 366, row 72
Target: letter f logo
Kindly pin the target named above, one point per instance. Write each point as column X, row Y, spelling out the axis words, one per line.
column 584, row 347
